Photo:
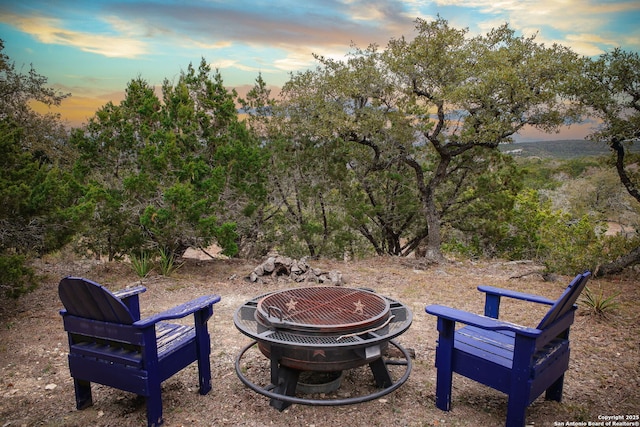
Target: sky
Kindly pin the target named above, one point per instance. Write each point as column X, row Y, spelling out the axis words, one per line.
column 92, row 49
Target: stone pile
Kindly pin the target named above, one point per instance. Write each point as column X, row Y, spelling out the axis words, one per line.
column 298, row 270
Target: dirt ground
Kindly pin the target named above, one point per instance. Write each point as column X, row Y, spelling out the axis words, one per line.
column 36, row 389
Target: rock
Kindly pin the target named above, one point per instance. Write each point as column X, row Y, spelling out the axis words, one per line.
column 335, row 277
column 269, row 265
column 280, row 267
column 259, row 270
column 295, row 268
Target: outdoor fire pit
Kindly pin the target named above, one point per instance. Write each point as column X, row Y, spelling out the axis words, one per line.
column 323, row 330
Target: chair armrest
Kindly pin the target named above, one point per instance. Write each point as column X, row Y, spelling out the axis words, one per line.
column 483, row 322
column 517, row 295
column 130, row 298
column 179, row 311
column 493, row 295
column 129, row 292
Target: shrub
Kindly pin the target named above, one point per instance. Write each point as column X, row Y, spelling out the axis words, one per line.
column 569, row 245
column 15, row 277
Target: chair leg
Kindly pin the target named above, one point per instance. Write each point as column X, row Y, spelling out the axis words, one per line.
column 204, row 375
column 444, row 380
column 444, row 364
column 516, row 411
column 154, row 406
column 555, row 391
column 203, row 346
column 83, row 393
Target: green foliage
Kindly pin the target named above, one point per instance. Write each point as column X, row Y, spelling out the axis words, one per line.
column 39, row 210
column 523, row 240
column 142, row 264
column 565, row 149
column 568, row 246
column 539, row 174
column 561, row 241
column 16, row 278
column 575, row 168
column 38, row 195
column 615, row 246
column 597, row 304
column 475, row 214
column 174, row 173
column 378, row 153
column 538, row 232
column 167, row 263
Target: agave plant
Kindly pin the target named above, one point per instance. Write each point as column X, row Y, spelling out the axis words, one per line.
column 167, row 263
column 141, row 264
column 597, row 303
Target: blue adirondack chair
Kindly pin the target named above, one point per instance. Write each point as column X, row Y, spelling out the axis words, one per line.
column 519, row 361
column 109, row 344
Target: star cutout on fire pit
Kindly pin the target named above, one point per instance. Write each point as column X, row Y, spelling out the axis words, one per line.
column 319, row 353
column 291, row 305
column 359, row 307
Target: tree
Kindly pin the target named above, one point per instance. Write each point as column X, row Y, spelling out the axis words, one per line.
column 476, row 93
column 418, row 125
column 170, row 174
column 301, row 212
column 38, row 211
column 340, row 124
column 612, row 90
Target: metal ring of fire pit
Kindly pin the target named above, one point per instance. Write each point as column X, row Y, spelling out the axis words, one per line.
column 266, row 391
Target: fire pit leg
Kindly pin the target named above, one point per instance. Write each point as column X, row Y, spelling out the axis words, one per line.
column 381, row 373
column 284, row 379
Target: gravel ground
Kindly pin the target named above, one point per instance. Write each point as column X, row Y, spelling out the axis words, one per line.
column 36, row 389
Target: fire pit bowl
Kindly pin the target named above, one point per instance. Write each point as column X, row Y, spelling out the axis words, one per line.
column 322, row 329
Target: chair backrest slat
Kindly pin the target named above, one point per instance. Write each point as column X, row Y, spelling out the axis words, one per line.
column 84, row 298
column 566, row 300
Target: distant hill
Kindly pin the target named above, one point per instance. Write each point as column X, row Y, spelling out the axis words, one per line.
column 563, row 149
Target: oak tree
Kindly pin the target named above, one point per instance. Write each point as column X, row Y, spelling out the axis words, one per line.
column 611, row 89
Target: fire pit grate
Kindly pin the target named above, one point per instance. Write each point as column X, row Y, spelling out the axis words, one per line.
column 322, row 310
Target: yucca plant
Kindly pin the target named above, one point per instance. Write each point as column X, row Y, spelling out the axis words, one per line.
column 597, row 303
column 141, row 264
column 167, row 263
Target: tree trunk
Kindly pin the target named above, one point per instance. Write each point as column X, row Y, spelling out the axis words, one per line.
column 618, row 147
column 632, row 258
column 434, row 239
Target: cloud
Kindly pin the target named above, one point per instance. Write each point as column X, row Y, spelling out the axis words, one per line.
column 557, row 21
column 588, row 44
column 307, row 26
column 295, row 61
column 232, row 63
column 51, row 31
